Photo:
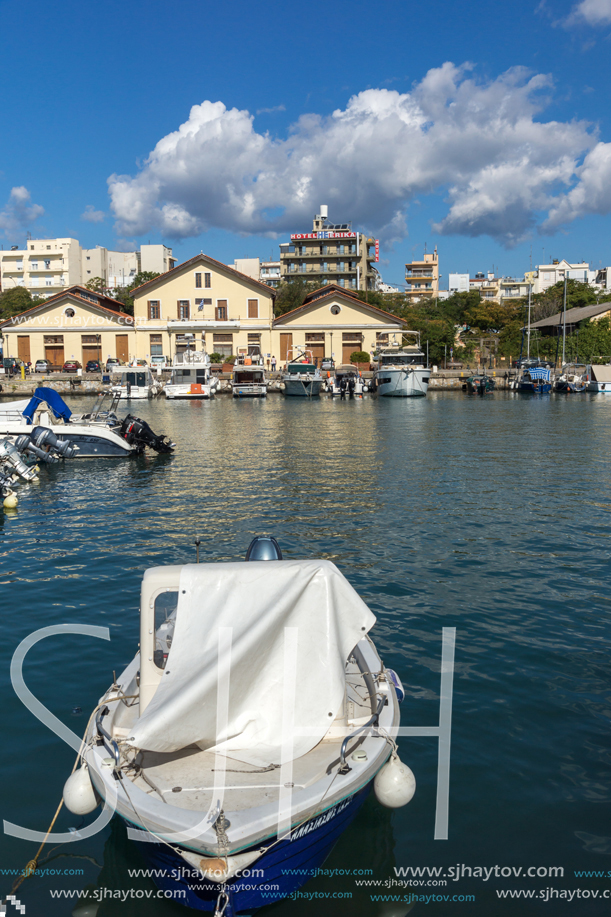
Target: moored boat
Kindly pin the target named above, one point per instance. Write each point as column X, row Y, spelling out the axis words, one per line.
column 191, row 377
column 301, row 377
column 534, row 378
column 598, row 378
column 479, row 384
column 134, row 382
column 402, row 371
column 346, row 380
column 572, row 379
column 98, row 432
column 242, row 740
column 248, row 379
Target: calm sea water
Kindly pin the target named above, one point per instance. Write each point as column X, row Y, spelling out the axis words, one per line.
column 490, row 515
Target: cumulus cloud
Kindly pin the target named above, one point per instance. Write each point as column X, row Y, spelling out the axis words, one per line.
column 91, row 215
column 19, row 211
column 269, row 111
column 591, row 194
column 478, row 143
column 592, row 12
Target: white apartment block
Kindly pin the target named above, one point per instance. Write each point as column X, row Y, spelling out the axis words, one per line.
column 266, row 271
column 48, row 266
column 458, row 283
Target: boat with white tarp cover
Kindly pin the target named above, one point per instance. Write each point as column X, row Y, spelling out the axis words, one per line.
column 249, row 729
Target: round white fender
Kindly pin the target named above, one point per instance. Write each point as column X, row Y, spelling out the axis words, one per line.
column 395, row 784
column 80, row 796
column 10, row 501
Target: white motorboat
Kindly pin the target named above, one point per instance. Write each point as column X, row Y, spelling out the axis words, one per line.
column 96, row 433
column 301, row 376
column 245, row 735
column 598, row 378
column 134, row 382
column 572, row 379
column 346, row 380
column 402, row 371
column 191, row 376
column 248, row 379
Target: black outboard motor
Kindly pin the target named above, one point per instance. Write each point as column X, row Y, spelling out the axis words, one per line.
column 137, row 433
column 25, row 445
column 45, row 438
column 264, row 547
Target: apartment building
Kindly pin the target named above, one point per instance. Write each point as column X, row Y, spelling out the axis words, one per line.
column 422, row 278
column 45, row 267
column 266, row 271
column 331, row 253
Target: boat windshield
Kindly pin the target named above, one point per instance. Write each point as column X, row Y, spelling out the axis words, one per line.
column 165, row 621
column 134, row 378
column 401, row 359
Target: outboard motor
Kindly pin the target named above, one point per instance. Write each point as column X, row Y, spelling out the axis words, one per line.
column 24, row 444
column 264, row 547
column 11, row 457
column 43, row 437
column 137, row 433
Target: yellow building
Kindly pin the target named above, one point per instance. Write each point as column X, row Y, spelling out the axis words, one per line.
column 203, row 304
column 422, row 278
column 76, row 324
column 333, row 323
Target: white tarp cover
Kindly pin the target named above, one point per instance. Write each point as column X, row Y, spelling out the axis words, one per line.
column 602, row 373
column 257, row 600
column 14, row 407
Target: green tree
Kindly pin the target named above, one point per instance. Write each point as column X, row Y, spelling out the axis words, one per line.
column 124, row 294
column 17, row 300
column 97, row 284
column 290, row 294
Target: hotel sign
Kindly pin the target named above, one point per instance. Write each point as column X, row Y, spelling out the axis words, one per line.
column 377, row 258
column 322, row 235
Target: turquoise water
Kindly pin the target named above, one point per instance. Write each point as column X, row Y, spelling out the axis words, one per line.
column 488, row 515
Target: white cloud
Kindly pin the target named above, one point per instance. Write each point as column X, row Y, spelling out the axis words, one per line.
column 91, row 215
column 592, row 193
column 19, row 212
column 269, row 111
column 593, row 12
column 478, row 142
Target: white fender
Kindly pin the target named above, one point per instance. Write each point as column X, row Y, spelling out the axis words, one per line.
column 80, row 796
column 394, row 784
column 220, row 869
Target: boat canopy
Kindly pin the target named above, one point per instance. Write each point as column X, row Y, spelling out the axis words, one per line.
column 50, row 397
column 539, row 372
column 14, row 407
column 267, row 633
column 601, row 372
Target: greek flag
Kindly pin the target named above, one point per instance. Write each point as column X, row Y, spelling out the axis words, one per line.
column 539, row 372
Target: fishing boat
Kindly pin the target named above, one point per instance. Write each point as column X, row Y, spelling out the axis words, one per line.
column 98, row 432
column 246, row 734
column 134, row 382
column 572, row 379
column 301, row 376
column 191, row 377
column 598, row 378
column 248, row 379
column 479, row 384
column 346, row 380
column 402, row 371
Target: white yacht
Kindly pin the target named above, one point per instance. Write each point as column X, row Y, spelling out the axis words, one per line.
column 346, row 380
column 248, row 378
column 302, row 377
column 134, row 382
column 191, row 377
column 598, row 378
column 402, row 371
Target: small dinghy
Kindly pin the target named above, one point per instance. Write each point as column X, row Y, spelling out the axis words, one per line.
column 244, row 737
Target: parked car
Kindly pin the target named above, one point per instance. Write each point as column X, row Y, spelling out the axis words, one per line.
column 112, row 363
column 71, row 366
column 327, row 364
column 93, row 367
column 42, row 366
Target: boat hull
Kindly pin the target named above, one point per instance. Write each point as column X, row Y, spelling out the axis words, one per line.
column 309, row 388
column 249, row 390
column 288, row 864
column 192, row 392
column 99, row 443
column 401, row 383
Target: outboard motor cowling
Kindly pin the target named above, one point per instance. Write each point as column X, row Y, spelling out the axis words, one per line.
column 264, row 547
column 25, row 445
column 138, row 434
column 43, row 437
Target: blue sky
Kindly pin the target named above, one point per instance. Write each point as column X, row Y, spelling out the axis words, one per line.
column 483, row 129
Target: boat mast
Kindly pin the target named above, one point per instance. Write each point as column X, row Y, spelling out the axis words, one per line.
column 564, row 324
column 528, row 332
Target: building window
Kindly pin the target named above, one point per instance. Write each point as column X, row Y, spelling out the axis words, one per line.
column 156, row 345
column 53, row 338
column 154, row 308
column 183, row 309
column 223, row 344
column 200, row 303
column 253, row 308
column 34, row 265
column 49, row 282
column 69, row 313
column 198, row 280
column 335, row 309
column 207, row 281
column 221, row 310
column 48, row 248
column 254, row 344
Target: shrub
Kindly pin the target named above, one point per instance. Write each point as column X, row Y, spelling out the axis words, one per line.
column 359, row 356
column 216, row 358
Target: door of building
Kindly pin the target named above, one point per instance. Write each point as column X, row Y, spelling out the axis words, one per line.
column 350, row 343
column 54, row 350
column 91, row 348
column 23, row 347
column 122, row 347
column 286, row 342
